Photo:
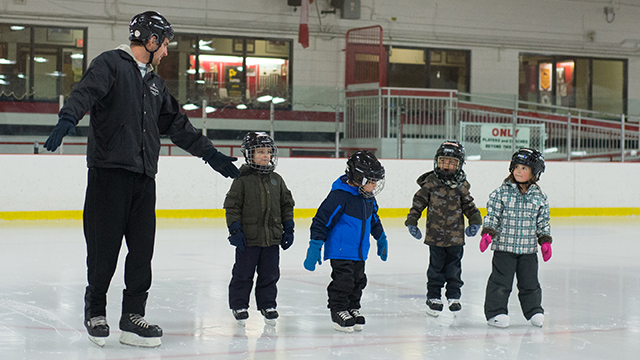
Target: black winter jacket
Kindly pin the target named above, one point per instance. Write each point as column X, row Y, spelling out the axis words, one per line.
column 129, row 113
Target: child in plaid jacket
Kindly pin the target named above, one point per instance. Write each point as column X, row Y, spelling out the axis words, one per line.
column 517, row 221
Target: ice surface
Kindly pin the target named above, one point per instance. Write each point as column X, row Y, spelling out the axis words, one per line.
column 591, row 295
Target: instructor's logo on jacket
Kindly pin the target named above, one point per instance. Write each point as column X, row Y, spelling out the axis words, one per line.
column 154, row 90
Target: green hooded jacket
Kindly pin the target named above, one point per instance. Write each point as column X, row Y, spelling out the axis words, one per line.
column 262, row 203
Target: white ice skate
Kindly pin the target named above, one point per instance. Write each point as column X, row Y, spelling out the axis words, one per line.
column 500, row 321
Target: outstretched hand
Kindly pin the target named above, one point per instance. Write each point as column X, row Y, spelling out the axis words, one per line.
column 222, row 163
column 65, row 126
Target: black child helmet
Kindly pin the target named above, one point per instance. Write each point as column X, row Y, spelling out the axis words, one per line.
column 362, row 167
column 528, row 157
column 450, row 148
column 254, row 140
column 148, row 24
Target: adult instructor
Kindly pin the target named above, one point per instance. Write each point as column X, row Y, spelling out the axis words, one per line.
column 130, row 108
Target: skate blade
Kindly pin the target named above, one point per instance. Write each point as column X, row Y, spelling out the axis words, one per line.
column 242, row 323
column 100, row 341
column 433, row 312
column 347, row 329
column 129, row 338
column 357, row 327
column 270, row 322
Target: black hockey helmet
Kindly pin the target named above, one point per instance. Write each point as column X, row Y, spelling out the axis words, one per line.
column 528, row 157
column 148, row 24
column 450, row 148
column 254, row 140
column 363, row 166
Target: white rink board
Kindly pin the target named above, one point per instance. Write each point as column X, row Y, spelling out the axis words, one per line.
column 58, row 182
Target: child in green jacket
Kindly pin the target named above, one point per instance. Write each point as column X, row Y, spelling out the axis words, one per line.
column 259, row 213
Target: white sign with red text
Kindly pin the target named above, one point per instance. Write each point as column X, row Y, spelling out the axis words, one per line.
column 500, row 137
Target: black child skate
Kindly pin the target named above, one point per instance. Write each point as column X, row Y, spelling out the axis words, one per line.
column 98, row 329
column 270, row 316
column 434, row 307
column 136, row 331
column 343, row 321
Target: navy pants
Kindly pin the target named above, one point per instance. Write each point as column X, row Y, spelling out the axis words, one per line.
column 119, row 203
column 525, row 268
column 445, row 267
column 266, row 262
column 348, row 281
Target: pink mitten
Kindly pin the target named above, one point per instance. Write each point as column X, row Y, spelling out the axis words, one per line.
column 545, row 248
column 484, row 242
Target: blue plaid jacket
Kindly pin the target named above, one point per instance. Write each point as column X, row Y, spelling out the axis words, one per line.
column 519, row 220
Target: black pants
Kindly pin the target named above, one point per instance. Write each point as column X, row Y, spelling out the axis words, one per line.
column 445, row 266
column 348, row 281
column 118, row 203
column 266, row 262
column 504, row 266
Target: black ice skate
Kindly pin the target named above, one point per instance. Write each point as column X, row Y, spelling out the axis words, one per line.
column 241, row 316
column 136, row 331
column 359, row 319
column 434, row 307
column 343, row 321
column 454, row 305
column 98, row 329
column 270, row 316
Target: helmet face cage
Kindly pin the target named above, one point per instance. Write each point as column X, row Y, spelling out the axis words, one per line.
column 528, row 157
column 251, row 144
column 451, row 149
column 148, row 24
column 363, row 168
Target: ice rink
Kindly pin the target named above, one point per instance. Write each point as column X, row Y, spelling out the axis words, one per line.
column 591, row 295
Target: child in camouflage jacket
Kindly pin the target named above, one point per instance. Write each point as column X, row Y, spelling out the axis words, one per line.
column 445, row 193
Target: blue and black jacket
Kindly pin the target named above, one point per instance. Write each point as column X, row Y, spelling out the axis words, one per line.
column 344, row 221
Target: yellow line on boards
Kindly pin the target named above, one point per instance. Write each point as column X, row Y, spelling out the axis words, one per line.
column 298, row 213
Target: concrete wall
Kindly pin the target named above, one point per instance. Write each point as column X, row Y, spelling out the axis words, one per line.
column 45, row 184
column 496, row 32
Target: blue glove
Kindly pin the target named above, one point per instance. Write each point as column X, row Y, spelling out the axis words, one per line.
column 236, row 237
column 66, row 126
column 472, row 230
column 414, row 231
column 221, row 163
column 383, row 247
column 287, row 237
column 313, row 255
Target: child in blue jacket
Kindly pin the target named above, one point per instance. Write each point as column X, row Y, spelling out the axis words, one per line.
column 343, row 223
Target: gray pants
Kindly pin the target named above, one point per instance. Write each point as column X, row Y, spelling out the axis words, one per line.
column 504, row 266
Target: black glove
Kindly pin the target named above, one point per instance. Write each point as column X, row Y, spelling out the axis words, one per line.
column 236, row 237
column 287, row 237
column 221, row 163
column 66, row 126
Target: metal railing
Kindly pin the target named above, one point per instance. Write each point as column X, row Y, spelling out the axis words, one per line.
column 563, row 133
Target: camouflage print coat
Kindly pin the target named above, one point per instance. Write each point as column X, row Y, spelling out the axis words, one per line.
column 445, row 209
